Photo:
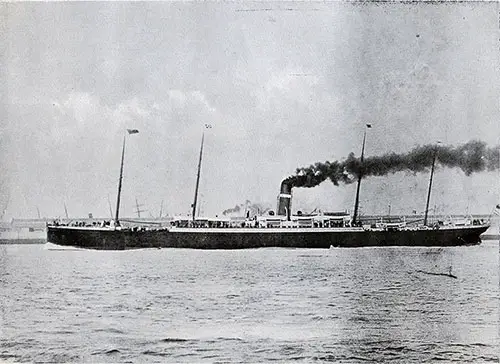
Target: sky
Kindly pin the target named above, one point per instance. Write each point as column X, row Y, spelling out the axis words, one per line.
column 283, row 85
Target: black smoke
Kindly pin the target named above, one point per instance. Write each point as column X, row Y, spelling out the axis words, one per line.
column 248, row 206
column 233, row 210
column 474, row 156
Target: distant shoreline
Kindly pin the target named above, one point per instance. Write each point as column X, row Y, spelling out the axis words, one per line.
column 22, row 241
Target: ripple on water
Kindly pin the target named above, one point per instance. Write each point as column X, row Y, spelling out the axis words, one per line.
column 105, row 352
column 173, row 340
column 349, row 306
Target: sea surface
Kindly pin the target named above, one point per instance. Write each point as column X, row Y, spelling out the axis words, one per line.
column 362, row 305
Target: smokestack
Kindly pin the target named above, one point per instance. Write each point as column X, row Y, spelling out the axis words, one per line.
column 285, row 200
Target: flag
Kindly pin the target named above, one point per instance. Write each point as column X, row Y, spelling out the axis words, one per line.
column 208, row 126
column 368, row 125
column 132, row 131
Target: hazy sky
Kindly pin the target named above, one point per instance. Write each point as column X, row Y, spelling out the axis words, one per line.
column 284, row 84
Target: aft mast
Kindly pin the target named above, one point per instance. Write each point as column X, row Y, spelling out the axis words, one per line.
column 356, row 202
column 430, row 184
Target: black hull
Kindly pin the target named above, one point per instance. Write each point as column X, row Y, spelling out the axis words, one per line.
column 108, row 239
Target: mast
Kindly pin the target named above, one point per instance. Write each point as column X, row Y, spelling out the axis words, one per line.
column 356, row 201
column 110, row 210
column 66, row 211
column 198, row 176
column 129, row 131
column 430, row 185
column 137, row 208
column 5, row 207
column 117, row 223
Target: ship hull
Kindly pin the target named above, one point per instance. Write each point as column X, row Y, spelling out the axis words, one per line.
column 248, row 238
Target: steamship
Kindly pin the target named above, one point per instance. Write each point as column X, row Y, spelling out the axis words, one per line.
column 280, row 229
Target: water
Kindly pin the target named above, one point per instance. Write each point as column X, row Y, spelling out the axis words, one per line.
column 175, row 305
